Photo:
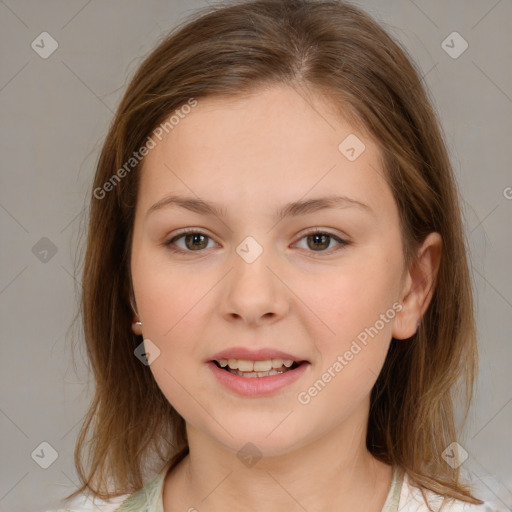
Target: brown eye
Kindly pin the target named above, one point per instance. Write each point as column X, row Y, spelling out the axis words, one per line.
column 193, row 241
column 320, row 241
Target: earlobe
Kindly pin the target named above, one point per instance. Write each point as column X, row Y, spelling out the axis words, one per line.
column 137, row 328
column 403, row 326
column 137, row 324
column 418, row 287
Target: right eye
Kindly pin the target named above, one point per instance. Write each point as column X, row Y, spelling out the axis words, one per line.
column 194, row 241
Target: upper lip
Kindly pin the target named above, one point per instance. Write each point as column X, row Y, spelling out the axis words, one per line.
column 261, row 354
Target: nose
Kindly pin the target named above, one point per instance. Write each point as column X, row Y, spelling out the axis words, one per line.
column 254, row 293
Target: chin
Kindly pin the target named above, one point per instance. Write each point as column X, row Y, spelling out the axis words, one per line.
column 260, row 439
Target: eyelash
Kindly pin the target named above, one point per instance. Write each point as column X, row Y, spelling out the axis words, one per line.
column 169, row 244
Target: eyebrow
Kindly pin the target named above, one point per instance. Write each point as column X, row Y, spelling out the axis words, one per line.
column 292, row 209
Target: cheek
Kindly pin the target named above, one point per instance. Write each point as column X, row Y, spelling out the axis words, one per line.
column 169, row 301
column 171, row 306
column 167, row 294
column 360, row 312
column 355, row 296
column 355, row 304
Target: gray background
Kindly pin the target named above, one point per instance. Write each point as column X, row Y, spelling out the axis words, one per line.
column 55, row 113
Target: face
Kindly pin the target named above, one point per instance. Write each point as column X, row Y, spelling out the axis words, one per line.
column 320, row 283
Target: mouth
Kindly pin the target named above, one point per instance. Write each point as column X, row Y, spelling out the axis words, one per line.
column 259, row 375
column 252, row 369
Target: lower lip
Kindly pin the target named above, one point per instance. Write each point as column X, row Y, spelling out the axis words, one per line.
column 257, row 386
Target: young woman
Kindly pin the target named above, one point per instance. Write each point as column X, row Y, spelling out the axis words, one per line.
column 276, row 297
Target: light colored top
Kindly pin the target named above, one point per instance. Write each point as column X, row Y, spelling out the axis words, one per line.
column 402, row 497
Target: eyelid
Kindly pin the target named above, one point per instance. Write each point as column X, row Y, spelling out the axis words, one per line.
column 325, row 231
column 186, row 231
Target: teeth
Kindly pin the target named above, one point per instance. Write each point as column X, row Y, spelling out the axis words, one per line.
column 256, row 374
column 244, row 365
column 241, row 364
column 262, row 366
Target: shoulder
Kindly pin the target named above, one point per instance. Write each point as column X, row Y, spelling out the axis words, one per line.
column 411, row 500
column 85, row 503
column 148, row 497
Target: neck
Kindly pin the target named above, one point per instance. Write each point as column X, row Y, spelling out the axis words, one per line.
column 333, row 472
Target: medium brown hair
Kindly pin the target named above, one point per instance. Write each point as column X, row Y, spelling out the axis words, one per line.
column 338, row 51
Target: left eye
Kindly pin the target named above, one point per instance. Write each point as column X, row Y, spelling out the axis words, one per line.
column 321, row 240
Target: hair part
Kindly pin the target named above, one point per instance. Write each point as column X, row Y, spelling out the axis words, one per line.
column 335, row 50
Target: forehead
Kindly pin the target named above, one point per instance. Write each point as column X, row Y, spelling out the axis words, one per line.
column 277, row 144
column 288, row 121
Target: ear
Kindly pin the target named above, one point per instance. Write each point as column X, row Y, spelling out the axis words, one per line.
column 418, row 288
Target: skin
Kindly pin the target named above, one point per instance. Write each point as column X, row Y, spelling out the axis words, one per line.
column 252, row 155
